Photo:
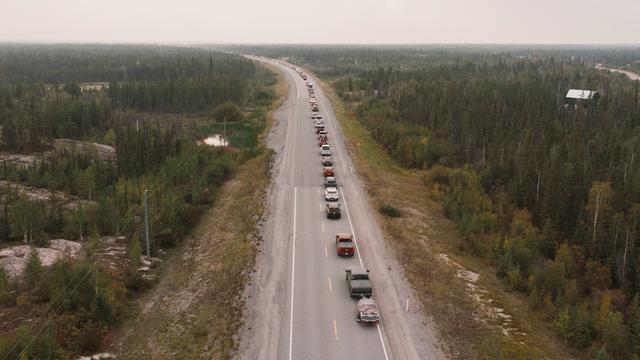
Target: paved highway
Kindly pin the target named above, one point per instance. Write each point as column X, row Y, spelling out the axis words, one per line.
column 298, row 306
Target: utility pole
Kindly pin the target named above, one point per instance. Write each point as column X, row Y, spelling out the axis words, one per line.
column 224, row 131
column 146, row 224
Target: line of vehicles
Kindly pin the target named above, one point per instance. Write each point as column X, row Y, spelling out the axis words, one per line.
column 357, row 278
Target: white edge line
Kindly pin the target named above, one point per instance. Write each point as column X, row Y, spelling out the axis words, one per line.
column 293, row 267
column 346, row 208
column 355, row 241
column 293, row 261
column 355, row 238
column 384, row 349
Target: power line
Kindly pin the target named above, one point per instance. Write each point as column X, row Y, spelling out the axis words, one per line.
column 154, row 187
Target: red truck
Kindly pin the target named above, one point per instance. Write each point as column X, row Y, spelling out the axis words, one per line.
column 328, row 171
column 344, row 245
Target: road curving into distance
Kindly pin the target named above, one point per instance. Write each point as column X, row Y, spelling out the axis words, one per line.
column 297, row 305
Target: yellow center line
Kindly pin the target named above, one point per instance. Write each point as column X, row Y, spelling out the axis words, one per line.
column 335, row 329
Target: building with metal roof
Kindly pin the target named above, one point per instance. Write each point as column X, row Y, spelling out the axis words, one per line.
column 582, row 94
column 586, row 97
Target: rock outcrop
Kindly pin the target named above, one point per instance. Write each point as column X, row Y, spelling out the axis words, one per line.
column 13, row 259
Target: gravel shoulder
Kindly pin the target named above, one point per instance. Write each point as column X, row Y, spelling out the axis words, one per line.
column 265, row 293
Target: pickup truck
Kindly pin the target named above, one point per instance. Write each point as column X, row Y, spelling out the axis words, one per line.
column 358, row 282
column 333, row 210
column 344, row 245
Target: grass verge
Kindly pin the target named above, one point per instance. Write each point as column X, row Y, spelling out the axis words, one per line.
column 419, row 236
column 195, row 311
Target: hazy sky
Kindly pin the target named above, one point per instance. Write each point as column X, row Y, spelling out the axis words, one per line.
column 322, row 21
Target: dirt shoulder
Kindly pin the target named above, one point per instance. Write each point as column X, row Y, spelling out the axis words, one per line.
column 195, row 311
column 259, row 338
column 476, row 316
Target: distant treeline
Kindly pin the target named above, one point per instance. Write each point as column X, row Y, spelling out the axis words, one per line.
column 340, row 60
column 61, row 64
column 151, row 79
column 147, row 78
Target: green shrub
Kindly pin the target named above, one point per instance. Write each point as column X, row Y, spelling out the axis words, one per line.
column 437, row 175
column 389, row 210
column 7, row 291
column 227, row 110
column 516, row 281
column 24, row 345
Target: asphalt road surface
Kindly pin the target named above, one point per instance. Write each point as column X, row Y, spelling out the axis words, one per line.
column 298, row 306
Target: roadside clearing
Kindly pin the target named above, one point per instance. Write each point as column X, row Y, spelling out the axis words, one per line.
column 195, row 310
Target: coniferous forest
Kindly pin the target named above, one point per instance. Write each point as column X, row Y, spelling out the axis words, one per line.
column 547, row 192
column 137, row 129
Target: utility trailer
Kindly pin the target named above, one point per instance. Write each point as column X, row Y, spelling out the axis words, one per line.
column 367, row 312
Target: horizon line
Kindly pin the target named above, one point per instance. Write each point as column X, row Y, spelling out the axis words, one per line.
column 197, row 43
